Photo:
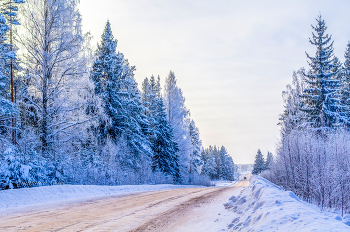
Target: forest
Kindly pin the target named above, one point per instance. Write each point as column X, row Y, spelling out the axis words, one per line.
column 71, row 115
column 312, row 156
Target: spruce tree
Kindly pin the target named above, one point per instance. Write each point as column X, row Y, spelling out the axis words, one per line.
column 345, row 90
column 165, row 149
column 165, row 158
column 259, row 163
column 320, row 100
column 115, row 83
column 227, row 166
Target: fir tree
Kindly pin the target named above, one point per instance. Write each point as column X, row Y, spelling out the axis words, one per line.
column 115, row 83
column 320, row 100
column 259, row 163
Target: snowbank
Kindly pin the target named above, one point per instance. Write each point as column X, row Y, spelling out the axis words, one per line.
column 264, row 206
column 39, row 196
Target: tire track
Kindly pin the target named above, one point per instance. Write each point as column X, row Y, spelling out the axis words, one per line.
column 122, row 213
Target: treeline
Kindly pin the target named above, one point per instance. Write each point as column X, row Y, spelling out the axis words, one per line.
column 217, row 164
column 68, row 115
column 313, row 154
column 260, row 164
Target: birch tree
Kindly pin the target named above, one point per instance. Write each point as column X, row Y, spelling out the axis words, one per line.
column 55, row 63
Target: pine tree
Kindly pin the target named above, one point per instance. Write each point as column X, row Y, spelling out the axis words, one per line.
column 320, row 100
column 259, row 163
column 115, row 83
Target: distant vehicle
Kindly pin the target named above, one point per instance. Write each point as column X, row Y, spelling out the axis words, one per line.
column 245, row 178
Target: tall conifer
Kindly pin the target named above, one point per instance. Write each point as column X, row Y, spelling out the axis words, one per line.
column 320, row 100
column 165, row 157
column 115, row 83
column 259, row 163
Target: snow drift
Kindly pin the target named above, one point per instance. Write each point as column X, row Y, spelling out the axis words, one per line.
column 264, row 206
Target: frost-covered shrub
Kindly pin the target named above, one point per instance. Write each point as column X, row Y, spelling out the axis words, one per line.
column 316, row 168
column 13, row 172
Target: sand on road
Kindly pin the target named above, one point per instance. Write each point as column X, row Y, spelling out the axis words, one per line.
column 188, row 209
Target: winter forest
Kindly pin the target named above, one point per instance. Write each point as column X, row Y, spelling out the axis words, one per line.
column 72, row 115
column 312, row 157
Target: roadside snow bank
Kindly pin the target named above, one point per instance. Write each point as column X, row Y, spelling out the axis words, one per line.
column 18, row 198
column 263, row 206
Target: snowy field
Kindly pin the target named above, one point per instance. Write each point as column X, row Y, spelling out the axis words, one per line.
column 264, row 206
column 42, row 196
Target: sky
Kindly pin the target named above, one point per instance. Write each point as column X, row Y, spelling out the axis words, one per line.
column 232, row 58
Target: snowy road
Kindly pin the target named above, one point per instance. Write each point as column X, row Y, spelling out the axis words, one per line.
column 189, row 209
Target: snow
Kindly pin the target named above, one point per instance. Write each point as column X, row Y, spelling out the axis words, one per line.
column 263, row 206
column 17, row 199
column 223, row 183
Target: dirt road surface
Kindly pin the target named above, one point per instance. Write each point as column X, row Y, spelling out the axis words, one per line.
column 189, row 209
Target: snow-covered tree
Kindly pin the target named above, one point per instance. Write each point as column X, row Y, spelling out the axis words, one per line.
column 115, row 83
column 217, row 164
column 150, row 99
column 196, row 145
column 8, row 63
column 259, row 163
column 345, row 90
column 320, row 99
column 54, row 57
column 178, row 117
column 209, row 167
column 7, row 108
column 165, row 158
column 227, row 167
column 292, row 116
column 269, row 161
column 165, row 149
column 9, row 9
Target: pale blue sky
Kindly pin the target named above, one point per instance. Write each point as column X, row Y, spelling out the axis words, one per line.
column 232, row 58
